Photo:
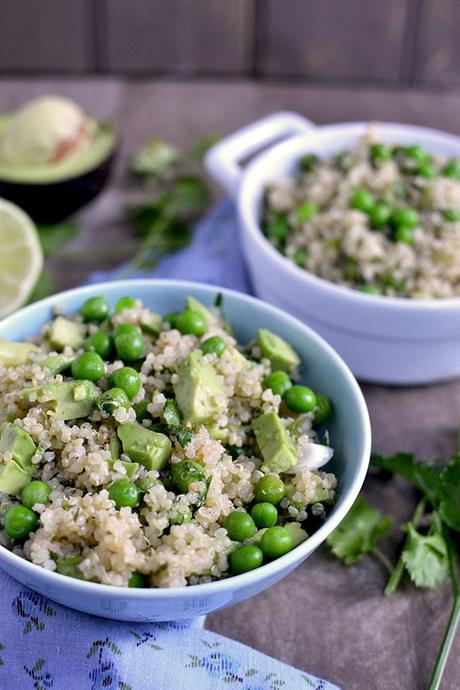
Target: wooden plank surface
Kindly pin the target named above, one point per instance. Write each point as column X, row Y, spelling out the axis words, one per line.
column 438, row 44
column 45, row 35
column 329, row 620
column 333, row 39
column 177, row 36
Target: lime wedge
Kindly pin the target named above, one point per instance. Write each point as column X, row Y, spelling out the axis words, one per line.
column 21, row 257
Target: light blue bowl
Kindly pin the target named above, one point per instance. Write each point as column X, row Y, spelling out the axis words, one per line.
column 321, row 368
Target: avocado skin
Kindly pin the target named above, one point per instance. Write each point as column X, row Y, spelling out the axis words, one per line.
column 54, row 201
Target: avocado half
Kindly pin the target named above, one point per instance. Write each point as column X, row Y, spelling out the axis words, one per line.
column 50, row 193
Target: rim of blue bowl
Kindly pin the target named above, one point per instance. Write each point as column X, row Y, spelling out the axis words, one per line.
column 233, row 581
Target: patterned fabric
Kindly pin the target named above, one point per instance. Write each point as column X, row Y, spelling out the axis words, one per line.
column 44, row 646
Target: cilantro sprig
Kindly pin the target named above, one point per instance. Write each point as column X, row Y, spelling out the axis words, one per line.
column 429, row 554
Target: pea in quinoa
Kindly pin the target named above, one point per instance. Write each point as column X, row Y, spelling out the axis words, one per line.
column 146, row 451
column 380, row 218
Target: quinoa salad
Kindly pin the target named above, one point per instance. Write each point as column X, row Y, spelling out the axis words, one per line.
column 380, row 218
column 146, row 450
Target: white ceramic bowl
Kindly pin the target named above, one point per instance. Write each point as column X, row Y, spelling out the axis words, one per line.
column 323, row 369
column 383, row 339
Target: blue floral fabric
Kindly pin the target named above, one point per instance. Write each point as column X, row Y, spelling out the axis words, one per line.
column 44, row 646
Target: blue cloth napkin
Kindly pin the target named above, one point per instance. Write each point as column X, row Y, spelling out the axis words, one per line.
column 44, row 646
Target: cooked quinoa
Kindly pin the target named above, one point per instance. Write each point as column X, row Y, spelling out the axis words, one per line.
column 120, row 509
column 381, row 218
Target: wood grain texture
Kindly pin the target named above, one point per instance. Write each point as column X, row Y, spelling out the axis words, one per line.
column 177, row 37
column 438, row 44
column 333, row 39
column 45, row 35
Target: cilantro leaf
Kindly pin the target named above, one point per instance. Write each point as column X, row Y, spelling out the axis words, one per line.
column 359, row 532
column 53, row 237
column 188, row 196
column 425, row 558
column 171, row 414
column 156, row 159
column 439, row 483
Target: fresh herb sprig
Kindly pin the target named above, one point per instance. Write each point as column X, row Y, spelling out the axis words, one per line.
column 429, row 555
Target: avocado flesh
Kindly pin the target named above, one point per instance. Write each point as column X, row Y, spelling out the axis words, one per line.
column 70, row 399
column 78, row 163
column 297, row 533
column 15, row 354
column 64, row 332
column 275, row 444
column 148, row 448
column 199, row 392
column 18, row 471
column 277, row 350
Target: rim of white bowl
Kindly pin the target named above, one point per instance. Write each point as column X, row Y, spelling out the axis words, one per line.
column 249, row 220
column 234, row 581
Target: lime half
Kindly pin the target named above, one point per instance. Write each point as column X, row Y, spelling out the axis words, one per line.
column 21, row 257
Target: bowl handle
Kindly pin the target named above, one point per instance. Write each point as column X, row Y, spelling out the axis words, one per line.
column 223, row 159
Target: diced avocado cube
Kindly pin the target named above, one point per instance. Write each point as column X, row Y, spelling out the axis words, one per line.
column 13, row 478
column 18, row 443
column 195, row 305
column 54, row 364
column 277, row 350
column 257, row 538
column 297, row 533
column 115, row 448
column 275, row 444
column 218, row 433
column 70, row 399
column 199, row 392
column 68, row 567
column 15, row 354
column 65, row 332
column 153, row 326
column 238, row 359
column 130, row 467
column 149, row 448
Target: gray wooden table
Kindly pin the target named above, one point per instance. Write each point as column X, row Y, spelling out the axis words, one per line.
column 329, row 620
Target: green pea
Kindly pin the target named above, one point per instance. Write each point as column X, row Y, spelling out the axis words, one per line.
column 379, row 215
column 403, row 234
column 126, row 378
column 278, row 381
column 306, row 211
column 68, row 567
column 124, row 493
column 264, row 514
column 245, row 558
column 214, row 345
column 95, row 309
column 269, row 489
column 185, row 473
column 451, row 214
column 299, row 256
column 136, row 580
column 129, row 346
column 112, row 400
column 125, row 303
column 190, row 322
column 144, row 484
column 370, row 289
column 308, row 162
column 323, row 409
column 404, row 216
column 417, row 153
column 125, row 328
column 239, row 525
column 452, row 169
column 278, row 230
column 142, row 413
column 275, row 542
column 362, row 200
column 426, row 170
column 300, row 399
column 35, row 492
column 89, row 366
column 19, row 522
column 171, row 318
column 99, row 342
column 379, row 152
